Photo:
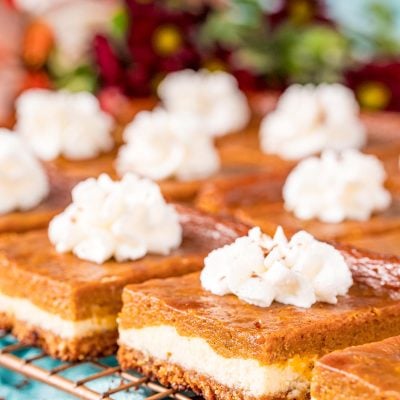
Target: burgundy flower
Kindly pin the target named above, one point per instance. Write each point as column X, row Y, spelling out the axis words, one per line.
column 185, row 58
column 377, row 84
column 160, row 40
column 109, row 66
column 248, row 81
column 138, row 81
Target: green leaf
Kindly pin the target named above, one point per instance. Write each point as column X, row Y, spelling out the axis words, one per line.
column 119, row 23
column 83, row 79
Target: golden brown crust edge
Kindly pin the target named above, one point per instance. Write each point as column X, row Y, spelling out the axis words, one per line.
column 172, row 375
column 5, row 322
column 99, row 344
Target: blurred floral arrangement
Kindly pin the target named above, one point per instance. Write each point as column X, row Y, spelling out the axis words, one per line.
column 122, row 49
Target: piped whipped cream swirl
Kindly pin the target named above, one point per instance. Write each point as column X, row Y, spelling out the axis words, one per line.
column 23, row 181
column 63, row 124
column 309, row 119
column 336, row 187
column 124, row 219
column 212, row 96
column 161, row 144
column 259, row 270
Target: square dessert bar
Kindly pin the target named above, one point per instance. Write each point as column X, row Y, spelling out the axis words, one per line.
column 172, row 189
column 270, row 216
column 39, row 217
column 370, row 371
column 69, row 306
column 244, row 148
column 256, row 199
column 223, row 348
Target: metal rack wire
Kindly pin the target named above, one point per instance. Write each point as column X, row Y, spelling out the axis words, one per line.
column 11, row 359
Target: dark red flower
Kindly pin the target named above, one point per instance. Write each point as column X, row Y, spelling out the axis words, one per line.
column 248, row 81
column 138, row 81
column 185, row 58
column 108, row 63
column 160, row 40
column 377, row 84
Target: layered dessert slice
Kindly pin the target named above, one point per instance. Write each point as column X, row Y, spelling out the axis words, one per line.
column 68, row 303
column 291, row 131
column 173, row 145
column 269, row 216
column 257, row 200
column 30, row 195
column 172, row 189
column 332, row 197
column 370, row 371
column 39, row 216
column 220, row 346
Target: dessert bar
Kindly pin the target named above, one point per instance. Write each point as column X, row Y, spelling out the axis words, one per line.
column 370, row 371
column 39, row 216
column 69, row 306
column 221, row 347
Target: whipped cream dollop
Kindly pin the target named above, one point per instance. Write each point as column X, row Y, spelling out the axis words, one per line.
column 309, row 119
column 23, row 181
column 122, row 219
column 260, row 269
column 212, row 96
column 63, row 124
column 337, row 186
column 161, row 145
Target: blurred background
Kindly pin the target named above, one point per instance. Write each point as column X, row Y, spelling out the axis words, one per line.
column 122, row 49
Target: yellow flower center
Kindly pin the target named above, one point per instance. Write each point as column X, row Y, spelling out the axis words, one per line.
column 373, row 95
column 167, row 40
column 300, row 11
column 214, row 65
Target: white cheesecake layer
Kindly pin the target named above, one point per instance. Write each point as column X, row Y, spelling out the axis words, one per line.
column 26, row 311
column 195, row 354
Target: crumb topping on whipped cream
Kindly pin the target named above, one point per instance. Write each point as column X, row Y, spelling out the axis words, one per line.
column 336, row 187
column 260, row 269
column 309, row 119
column 65, row 124
column 212, row 96
column 161, row 145
column 122, row 219
column 23, row 181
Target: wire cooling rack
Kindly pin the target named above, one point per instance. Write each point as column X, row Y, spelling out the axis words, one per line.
column 35, row 364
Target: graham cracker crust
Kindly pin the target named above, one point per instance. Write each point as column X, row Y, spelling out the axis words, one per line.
column 76, row 349
column 172, row 375
column 5, row 322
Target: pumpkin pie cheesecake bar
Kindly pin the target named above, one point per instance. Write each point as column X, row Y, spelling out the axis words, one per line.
column 62, row 289
column 307, row 120
column 370, row 371
column 263, row 310
column 337, row 196
column 173, row 145
column 30, row 195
